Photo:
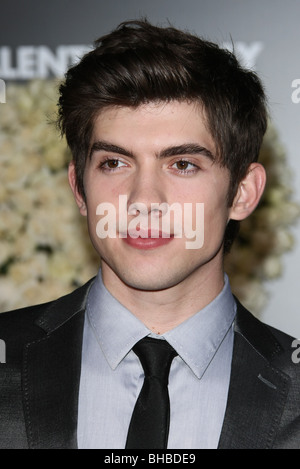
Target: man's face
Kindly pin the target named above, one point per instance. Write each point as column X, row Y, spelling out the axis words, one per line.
column 154, row 156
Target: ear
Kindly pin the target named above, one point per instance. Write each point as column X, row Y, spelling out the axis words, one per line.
column 249, row 192
column 73, row 183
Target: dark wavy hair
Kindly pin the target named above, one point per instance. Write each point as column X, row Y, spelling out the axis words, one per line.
column 138, row 63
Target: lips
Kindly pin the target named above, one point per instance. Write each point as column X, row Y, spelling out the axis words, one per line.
column 147, row 239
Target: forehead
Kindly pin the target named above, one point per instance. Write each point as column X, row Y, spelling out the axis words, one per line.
column 154, row 123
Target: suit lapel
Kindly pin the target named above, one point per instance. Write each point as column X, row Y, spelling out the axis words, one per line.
column 52, row 374
column 258, row 390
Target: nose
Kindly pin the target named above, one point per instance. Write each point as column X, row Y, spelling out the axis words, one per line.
column 147, row 193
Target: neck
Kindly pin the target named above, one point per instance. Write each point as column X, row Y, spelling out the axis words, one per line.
column 163, row 310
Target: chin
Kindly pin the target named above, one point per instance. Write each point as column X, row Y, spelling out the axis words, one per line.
column 152, row 282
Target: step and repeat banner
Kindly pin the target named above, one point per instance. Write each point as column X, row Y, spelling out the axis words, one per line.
column 44, row 247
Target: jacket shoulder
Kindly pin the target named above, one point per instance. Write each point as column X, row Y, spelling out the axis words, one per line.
column 42, row 346
column 21, row 326
column 20, row 323
column 257, row 331
column 271, row 344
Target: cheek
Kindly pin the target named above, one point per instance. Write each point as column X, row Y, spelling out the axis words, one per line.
column 97, row 192
column 216, row 215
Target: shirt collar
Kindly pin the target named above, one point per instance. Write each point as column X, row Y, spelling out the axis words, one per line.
column 117, row 330
column 196, row 340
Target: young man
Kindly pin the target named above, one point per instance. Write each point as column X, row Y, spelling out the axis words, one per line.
column 165, row 131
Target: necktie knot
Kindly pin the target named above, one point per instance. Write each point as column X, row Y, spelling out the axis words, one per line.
column 156, row 356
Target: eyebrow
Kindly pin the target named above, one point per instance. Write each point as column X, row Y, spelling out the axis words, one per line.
column 109, row 147
column 186, row 149
column 176, row 150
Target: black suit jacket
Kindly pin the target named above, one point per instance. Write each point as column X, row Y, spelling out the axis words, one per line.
column 39, row 383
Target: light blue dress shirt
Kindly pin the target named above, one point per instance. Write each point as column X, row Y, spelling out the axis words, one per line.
column 112, row 376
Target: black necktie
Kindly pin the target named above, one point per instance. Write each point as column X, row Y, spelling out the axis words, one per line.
column 149, row 426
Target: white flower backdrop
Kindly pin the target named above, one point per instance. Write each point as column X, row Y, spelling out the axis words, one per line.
column 45, row 250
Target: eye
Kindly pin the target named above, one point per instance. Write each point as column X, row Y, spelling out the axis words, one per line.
column 184, row 166
column 111, row 164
